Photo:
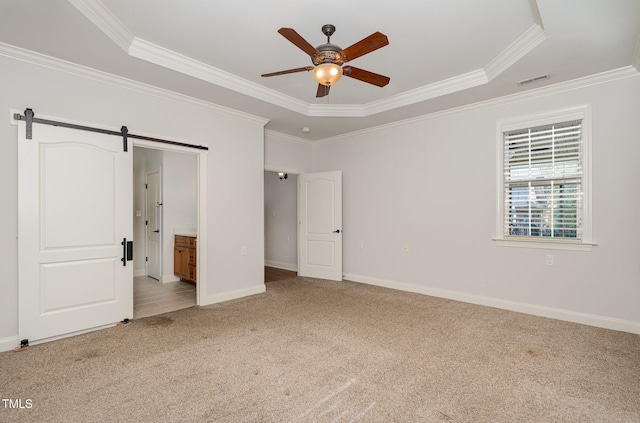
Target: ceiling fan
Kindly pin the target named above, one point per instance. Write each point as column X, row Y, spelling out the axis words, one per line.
column 328, row 59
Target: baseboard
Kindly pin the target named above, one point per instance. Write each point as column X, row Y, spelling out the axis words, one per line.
column 139, row 272
column 169, row 278
column 536, row 310
column 7, row 344
column 281, row 265
column 232, row 295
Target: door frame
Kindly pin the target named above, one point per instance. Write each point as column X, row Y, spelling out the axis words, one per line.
column 201, row 218
column 148, row 172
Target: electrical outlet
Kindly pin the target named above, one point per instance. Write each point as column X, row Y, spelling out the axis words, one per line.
column 549, row 259
column 361, row 244
column 406, row 248
column 243, row 250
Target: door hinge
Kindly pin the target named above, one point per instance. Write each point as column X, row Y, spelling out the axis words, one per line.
column 146, row 223
column 146, row 186
column 146, row 259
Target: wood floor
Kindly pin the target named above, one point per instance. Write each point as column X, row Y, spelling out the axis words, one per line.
column 272, row 274
column 151, row 297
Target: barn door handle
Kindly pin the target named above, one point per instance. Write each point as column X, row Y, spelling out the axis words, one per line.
column 127, row 251
column 124, row 251
column 337, row 231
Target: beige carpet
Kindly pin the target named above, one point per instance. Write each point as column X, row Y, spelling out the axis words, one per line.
column 318, row 351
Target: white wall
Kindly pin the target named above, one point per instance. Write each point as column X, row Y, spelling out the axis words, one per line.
column 236, row 147
column 286, row 153
column 432, row 184
column 280, row 217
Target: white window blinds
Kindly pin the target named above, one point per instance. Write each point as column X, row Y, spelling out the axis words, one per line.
column 543, row 181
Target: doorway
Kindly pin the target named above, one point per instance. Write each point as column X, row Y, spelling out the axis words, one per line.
column 166, row 201
column 303, row 223
column 280, row 221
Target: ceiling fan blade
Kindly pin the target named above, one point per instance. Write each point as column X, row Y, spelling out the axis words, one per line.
column 322, row 90
column 366, row 45
column 366, row 76
column 284, row 72
column 291, row 35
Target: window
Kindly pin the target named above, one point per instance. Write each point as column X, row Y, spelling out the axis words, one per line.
column 544, row 180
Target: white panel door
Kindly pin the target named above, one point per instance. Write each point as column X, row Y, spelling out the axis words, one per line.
column 320, row 221
column 154, row 224
column 75, row 194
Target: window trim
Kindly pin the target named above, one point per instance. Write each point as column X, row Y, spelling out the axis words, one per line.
column 582, row 112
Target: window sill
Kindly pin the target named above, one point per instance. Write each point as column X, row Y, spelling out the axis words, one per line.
column 547, row 245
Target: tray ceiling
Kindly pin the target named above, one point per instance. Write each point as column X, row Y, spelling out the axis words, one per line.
column 441, row 54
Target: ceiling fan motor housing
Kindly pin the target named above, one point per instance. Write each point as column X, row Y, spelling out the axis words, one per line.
column 329, row 53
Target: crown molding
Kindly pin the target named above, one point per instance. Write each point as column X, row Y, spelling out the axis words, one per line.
column 97, row 13
column 171, row 60
column 437, row 89
column 587, row 81
column 100, row 16
column 71, row 68
column 531, row 39
column 535, row 12
column 336, row 110
column 287, row 137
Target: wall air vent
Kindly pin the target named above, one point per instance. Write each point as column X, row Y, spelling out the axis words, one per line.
column 532, row 80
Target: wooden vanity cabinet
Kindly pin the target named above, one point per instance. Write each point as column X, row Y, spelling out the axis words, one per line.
column 184, row 258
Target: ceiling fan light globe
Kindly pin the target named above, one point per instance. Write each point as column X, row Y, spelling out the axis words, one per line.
column 327, row 73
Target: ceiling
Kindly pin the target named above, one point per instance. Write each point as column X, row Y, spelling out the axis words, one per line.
column 441, row 53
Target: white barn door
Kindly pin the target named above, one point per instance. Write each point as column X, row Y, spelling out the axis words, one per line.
column 75, row 210
column 320, row 225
